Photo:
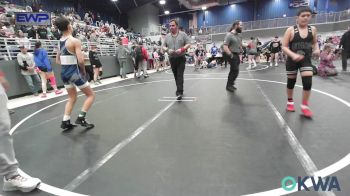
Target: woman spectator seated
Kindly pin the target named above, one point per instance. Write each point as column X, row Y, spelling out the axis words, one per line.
column 326, row 67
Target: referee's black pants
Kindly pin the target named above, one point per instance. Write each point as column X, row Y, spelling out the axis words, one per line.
column 345, row 55
column 234, row 69
column 178, row 68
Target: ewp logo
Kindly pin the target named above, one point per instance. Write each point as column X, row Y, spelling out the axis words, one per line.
column 28, row 18
column 330, row 183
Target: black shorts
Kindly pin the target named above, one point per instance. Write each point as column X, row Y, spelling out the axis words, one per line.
column 275, row 51
column 44, row 69
column 97, row 65
column 90, row 72
column 293, row 67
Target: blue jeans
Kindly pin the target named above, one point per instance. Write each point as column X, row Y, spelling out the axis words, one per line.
column 123, row 63
column 33, row 82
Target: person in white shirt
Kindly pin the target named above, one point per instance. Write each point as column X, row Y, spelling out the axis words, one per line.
column 88, row 67
column 28, row 70
column 21, row 40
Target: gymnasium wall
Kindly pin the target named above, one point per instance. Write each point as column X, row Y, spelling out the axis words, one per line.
column 145, row 16
column 255, row 10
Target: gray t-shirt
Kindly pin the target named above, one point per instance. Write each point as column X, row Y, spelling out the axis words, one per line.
column 175, row 43
column 122, row 52
column 234, row 42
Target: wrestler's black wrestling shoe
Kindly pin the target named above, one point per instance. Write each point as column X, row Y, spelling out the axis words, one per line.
column 84, row 123
column 66, row 125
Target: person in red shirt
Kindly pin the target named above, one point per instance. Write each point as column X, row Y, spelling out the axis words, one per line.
column 141, row 58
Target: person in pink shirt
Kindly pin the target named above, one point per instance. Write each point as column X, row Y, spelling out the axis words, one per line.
column 156, row 59
column 327, row 56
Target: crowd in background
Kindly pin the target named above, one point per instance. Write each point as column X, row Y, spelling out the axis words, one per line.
column 89, row 28
column 145, row 54
column 255, row 51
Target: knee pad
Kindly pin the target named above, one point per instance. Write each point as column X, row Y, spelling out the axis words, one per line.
column 52, row 81
column 100, row 73
column 291, row 83
column 307, row 82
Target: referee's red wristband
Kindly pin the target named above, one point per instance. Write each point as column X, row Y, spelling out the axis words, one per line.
column 183, row 49
column 2, row 74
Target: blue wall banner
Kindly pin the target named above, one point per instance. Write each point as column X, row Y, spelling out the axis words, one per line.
column 33, row 19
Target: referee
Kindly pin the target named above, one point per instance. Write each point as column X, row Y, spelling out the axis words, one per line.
column 176, row 43
column 232, row 48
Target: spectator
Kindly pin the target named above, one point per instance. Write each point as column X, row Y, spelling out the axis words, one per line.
column 26, row 63
column 224, row 56
column 275, row 49
column 345, row 45
column 9, row 30
column 252, row 52
column 132, row 54
column 267, row 53
column 214, row 51
column 42, row 33
column 32, row 33
column 162, row 63
column 156, row 59
column 35, row 7
column 200, row 57
column 319, row 42
column 93, row 36
column 122, row 53
column 88, row 67
column 55, row 33
column 86, row 18
column 122, row 30
column 22, row 40
column 259, row 50
column 96, row 64
column 327, row 56
column 212, row 64
column 150, row 60
column 43, row 63
column 190, row 55
column 81, row 36
column 141, row 58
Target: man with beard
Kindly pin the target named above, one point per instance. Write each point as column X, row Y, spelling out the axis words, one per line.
column 176, row 44
column 232, row 48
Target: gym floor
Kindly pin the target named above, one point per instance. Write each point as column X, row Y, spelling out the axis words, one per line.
column 212, row 143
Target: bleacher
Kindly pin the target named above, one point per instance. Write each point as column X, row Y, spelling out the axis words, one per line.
column 9, row 41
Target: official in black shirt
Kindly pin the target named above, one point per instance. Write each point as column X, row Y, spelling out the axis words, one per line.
column 345, row 44
column 42, row 33
column 56, row 34
column 31, row 33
